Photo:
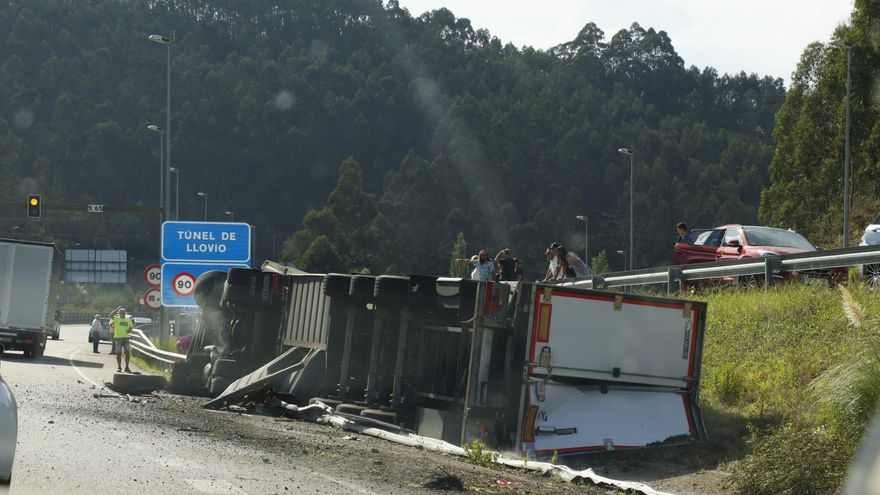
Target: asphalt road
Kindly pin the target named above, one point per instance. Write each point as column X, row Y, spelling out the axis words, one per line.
column 72, row 442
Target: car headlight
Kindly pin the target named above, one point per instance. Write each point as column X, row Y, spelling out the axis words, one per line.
column 762, row 252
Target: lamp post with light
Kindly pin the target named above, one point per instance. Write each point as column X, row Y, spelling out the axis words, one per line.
column 631, row 153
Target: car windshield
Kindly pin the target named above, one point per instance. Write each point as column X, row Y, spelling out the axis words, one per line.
column 763, row 236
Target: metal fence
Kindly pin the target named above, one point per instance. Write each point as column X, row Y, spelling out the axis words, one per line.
column 767, row 267
column 144, row 346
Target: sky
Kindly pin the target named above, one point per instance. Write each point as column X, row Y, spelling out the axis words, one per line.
column 756, row 36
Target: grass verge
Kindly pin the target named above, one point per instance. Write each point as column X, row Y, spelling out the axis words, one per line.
column 788, row 384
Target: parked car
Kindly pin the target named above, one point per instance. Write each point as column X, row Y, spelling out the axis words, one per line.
column 871, row 237
column 8, row 429
column 735, row 241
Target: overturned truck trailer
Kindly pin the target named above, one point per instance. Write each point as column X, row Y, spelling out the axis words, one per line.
column 535, row 368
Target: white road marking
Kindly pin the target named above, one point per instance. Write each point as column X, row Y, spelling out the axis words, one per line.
column 216, row 487
column 344, row 484
column 76, row 368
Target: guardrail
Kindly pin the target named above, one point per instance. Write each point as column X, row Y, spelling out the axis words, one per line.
column 768, row 266
column 141, row 343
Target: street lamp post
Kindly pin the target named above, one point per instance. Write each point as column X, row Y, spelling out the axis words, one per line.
column 205, row 197
column 164, row 40
column 622, row 253
column 846, row 162
column 176, row 172
column 631, row 153
column 161, row 132
column 230, row 214
column 586, row 220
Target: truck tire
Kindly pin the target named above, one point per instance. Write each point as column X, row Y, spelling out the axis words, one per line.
column 349, row 409
column 226, row 368
column 243, row 288
column 39, row 350
column 218, row 385
column 379, row 415
column 422, row 290
column 208, row 290
column 337, row 285
column 390, row 289
column 362, row 286
column 137, row 383
column 330, row 402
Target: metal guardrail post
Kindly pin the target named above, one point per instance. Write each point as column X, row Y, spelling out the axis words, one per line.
column 771, row 265
column 597, row 282
column 673, row 281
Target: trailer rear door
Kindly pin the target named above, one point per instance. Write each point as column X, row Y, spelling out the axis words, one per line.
column 605, row 336
column 25, row 284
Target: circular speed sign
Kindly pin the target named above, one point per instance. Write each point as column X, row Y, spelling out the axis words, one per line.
column 152, row 299
column 183, row 284
column 153, row 274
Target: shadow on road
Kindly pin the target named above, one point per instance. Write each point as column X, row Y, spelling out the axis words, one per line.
column 51, row 360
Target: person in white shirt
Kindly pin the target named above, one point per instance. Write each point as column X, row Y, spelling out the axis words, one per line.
column 550, row 253
column 95, row 333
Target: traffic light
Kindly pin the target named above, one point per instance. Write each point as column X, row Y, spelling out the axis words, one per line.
column 34, row 204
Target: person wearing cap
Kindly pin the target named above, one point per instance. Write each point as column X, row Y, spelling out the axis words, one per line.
column 95, row 332
column 550, row 253
column 122, row 325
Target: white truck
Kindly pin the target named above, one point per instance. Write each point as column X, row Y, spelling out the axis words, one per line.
column 29, row 277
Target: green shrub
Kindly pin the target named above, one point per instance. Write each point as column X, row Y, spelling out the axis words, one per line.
column 476, row 454
column 792, row 460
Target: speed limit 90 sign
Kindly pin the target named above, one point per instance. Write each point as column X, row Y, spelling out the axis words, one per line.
column 153, row 274
column 183, row 284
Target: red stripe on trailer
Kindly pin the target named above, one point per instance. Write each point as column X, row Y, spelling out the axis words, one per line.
column 637, row 302
column 538, row 296
column 690, row 416
column 692, row 357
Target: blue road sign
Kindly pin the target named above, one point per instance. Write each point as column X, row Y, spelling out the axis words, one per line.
column 206, row 242
column 179, row 281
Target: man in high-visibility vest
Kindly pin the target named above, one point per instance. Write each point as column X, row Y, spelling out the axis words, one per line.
column 122, row 325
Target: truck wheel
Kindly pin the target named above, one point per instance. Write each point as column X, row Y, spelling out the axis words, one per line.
column 137, row 384
column 349, row 409
column 386, row 416
column 391, row 289
column 362, row 286
column 219, row 385
column 39, row 350
column 29, row 353
column 209, row 289
column 336, row 285
column 423, row 290
column 226, row 368
column 330, row 402
column 243, row 288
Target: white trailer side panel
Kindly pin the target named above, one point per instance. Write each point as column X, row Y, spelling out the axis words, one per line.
column 25, row 285
column 592, row 336
column 568, row 419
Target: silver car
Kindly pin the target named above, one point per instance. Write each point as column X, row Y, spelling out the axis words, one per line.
column 8, row 430
column 871, row 237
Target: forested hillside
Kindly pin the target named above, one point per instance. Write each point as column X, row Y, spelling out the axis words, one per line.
column 374, row 135
column 810, row 135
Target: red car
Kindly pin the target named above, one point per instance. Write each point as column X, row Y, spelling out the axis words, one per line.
column 734, row 241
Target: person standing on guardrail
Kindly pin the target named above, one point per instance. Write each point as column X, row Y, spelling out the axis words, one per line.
column 484, row 268
column 121, row 327
column 550, row 253
column 95, row 332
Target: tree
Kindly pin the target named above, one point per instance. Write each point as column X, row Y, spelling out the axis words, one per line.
column 599, row 264
column 459, row 251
